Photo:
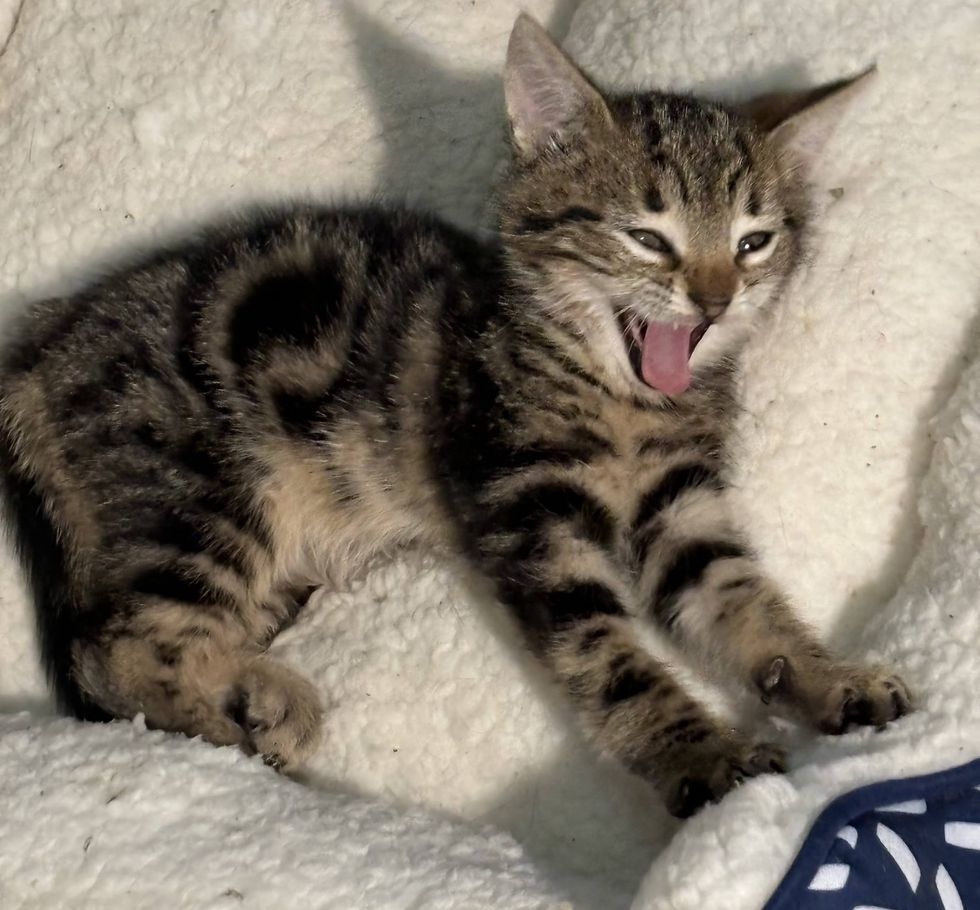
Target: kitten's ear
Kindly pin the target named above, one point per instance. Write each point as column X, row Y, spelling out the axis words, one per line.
column 803, row 121
column 546, row 94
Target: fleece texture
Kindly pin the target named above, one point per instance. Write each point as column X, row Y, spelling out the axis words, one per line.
column 841, row 388
column 125, row 818
column 121, row 123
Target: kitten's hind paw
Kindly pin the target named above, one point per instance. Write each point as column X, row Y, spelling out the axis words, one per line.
column 706, row 775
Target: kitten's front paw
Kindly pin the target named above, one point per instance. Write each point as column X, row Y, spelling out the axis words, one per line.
column 835, row 697
column 862, row 696
column 705, row 773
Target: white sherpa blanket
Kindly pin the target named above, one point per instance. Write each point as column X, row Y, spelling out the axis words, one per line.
column 121, row 121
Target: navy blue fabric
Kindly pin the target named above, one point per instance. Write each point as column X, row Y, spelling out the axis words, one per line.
column 875, row 879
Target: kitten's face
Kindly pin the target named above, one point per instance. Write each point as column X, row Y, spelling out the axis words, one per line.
column 670, row 213
column 655, row 226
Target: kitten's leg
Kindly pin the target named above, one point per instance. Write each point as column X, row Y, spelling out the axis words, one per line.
column 553, row 552
column 636, row 711
column 746, row 620
column 191, row 671
column 702, row 584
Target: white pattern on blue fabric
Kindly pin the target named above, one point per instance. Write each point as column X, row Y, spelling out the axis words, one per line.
column 947, row 890
column 910, row 807
column 899, row 851
column 830, row 877
column 963, row 834
column 849, row 835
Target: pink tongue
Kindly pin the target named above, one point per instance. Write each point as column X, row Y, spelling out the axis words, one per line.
column 666, row 349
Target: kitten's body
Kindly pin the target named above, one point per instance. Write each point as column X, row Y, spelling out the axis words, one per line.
column 190, row 444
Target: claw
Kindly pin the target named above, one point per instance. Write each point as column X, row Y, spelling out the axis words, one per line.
column 692, row 795
column 770, row 681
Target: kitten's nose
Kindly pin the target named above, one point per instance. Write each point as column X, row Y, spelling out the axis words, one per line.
column 711, row 305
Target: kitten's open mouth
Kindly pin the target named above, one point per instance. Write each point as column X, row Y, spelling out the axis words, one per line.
column 660, row 352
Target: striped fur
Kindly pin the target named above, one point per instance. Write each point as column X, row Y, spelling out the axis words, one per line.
column 192, row 442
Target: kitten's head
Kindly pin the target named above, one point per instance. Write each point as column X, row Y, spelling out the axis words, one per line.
column 656, row 226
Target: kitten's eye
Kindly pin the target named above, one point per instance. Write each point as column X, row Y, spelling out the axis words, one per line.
column 751, row 243
column 653, row 241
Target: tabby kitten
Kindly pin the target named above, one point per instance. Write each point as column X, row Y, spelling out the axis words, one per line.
column 190, row 443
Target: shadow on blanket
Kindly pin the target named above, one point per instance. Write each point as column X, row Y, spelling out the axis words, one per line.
column 430, row 151
column 859, row 610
